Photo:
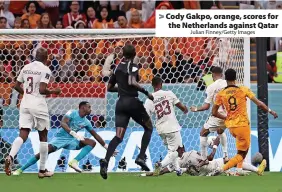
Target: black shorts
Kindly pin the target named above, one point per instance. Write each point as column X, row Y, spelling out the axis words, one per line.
column 130, row 107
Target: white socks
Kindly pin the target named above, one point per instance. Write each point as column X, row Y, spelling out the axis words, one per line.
column 43, row 151
column 223, row 142
column 249, row 167
column 16, row 147
column 170, row 158
column 204, row 146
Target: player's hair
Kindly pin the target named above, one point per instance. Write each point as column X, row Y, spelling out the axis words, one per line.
column 156, row 81
column 82, row 103
column 129, row 51
column 41, row 55
column 230, row 75
column 217, row 70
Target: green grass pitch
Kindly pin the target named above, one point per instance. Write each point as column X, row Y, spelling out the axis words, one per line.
column 270, row 182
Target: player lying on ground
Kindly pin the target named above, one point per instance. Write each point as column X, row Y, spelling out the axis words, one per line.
column 234, row 101
column 126, row 76
column 33, row 110
column 191, row 163
column 166, row 123
column 213, row 124
column 67, row 137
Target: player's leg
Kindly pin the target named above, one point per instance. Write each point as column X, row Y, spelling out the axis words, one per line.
column 26, row 123
column 140, row 116
column 43, row 152
column 121, row 122
column 33, row 160
column 86, row 147
column 204, row 141
column 223, row 141
column 242, row 135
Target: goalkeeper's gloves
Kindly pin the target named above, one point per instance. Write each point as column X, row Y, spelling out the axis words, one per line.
column 75, row 135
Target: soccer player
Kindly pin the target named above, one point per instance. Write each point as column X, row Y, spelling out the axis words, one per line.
column 191, row 162
column 213, row 123
column 67, row 137
column 128, row 106
column 166, row 123
column 33, row 109
column 233, row 99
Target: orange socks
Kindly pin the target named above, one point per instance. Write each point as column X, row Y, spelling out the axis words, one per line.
column 236, row 160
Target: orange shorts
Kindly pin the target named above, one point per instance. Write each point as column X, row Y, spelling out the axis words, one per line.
column 243, row 137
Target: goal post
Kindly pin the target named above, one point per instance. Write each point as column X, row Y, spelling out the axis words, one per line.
column 81, row 62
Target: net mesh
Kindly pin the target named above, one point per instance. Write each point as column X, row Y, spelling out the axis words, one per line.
column 81, row 66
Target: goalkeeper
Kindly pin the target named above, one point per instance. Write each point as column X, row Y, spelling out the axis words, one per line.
column 67, row 137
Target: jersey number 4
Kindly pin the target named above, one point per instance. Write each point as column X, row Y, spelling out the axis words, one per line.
column 162, row 109
column 29, row 89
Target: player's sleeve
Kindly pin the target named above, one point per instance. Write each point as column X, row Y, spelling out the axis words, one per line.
column 218, row 99
column 209, row 95
column 248, row 92
column 113, row 79
column 45, row 77
column 175, row 100
column 20, row 77
column 134, row 71
column 89, row 126
column 69, row 114
column 149, row 107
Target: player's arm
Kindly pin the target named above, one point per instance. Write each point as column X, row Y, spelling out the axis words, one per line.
column 178, row 103
column 111, row 85
column 214, row 148
column 43, row 90
column 207, row 104
column 215, row 112
column 18, row 87
column 132, row 80
column 263, row 106
column 98, row 138
column 65, row 125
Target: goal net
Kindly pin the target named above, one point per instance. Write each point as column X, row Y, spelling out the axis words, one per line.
column 81, row 65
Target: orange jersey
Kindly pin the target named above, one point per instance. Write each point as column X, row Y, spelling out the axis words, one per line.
column 234, row 101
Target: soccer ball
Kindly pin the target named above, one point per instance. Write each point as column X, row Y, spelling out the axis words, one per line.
column 210, row 141
column 257, row 159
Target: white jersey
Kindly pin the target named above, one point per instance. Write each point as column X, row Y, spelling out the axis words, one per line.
column 31, row 76
column 212, row 91
column 193, row 158
column 163, row 108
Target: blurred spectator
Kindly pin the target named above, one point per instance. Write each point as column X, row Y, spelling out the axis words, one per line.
column 191, row 5
column 145, row 72
column 18, row 7
column 103, row 20
column 73, row 15
column 18, row 22
column 6, row 13
column 52, row 8
column 135, row 20
column 95, row 70
column 3, row 23
column 151, row 22
column 59, row 24
column 80, row 25
column 91, row 16
column 211, row 5
column 31, row 15
column 25, row 24
column 148, row 7
column 121, row 23
column 45, row 22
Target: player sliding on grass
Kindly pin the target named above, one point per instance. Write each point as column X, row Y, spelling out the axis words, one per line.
column 166, row 123
column 192, row 163
column 213, row 124
column 233, row 99
column 67, row 137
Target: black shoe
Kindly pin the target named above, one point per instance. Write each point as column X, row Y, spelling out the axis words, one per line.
column 103, row 168
column 142, row 164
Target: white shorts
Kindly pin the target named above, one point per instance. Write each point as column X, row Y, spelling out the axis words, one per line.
column 32, row 118
column 172, row 140
column 214, row 123
column 212, row 166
